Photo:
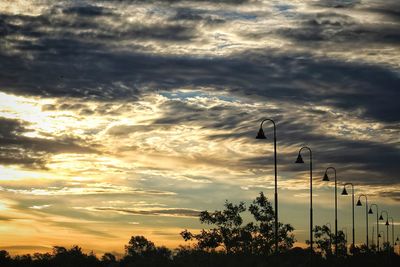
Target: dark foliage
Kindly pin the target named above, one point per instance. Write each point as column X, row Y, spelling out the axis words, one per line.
column 229, row 243
column 230, row 236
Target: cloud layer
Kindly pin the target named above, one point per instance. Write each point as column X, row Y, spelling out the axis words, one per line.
column 118, row 112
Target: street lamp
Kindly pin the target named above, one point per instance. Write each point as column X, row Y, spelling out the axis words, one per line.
column 387, row 225
column 261, row 135
column 344, row 193
column 300, row 160
column 377, row 219
column 326, row 179
column 392, row 231
column 383, row 236
column 366, row 211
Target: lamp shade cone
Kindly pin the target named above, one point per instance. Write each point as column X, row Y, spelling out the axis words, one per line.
column 260, row 134
column 344, row 192
column 358, row 203
column 325, row 178
column 299, row 159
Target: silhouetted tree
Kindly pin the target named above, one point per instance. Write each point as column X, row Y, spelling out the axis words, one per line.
column 109, row 260
column 323, row 240
column 5, row 258
column 341, row 244
column 264, row 230
column 234, row 238
column 141, row 251
column 139, row 246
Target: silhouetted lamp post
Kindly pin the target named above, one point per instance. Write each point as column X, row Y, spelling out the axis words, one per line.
column 392, row 231
column 387, row 225
column 344, row 193
column 377, row 219
column 326, row 179
column 366, row 211
column 261, row 135
column 382, row 235
column 300, row 160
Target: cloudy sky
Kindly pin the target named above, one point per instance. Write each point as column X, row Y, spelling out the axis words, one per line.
column 123, row 118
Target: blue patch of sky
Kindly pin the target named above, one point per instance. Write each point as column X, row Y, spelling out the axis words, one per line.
column 285, row 10
column 184, row 95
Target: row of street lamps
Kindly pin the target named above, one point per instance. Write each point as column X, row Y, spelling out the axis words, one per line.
column 261, row 135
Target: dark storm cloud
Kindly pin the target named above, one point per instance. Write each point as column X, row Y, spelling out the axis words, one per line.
column 335, row 28
column 15, row 148
column 197, row 15
column 338, row 3
column 70, row 64
column 104, row 75
column 84, row 67
column 87, row 10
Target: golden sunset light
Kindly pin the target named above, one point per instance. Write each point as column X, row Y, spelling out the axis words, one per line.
column 124, row 119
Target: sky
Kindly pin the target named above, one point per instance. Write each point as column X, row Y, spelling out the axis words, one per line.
column 122, row 118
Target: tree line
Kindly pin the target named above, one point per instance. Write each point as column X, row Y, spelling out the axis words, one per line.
column 228, row 241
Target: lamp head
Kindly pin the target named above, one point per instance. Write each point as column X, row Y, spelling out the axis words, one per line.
column 397, row 239
column 381, row 218
column 370, row 211
column 326, row 178
column 379, row 235
column 358, row 203
column 387, row 223
column 344, row 192
column 299, row 159
column 260, row 134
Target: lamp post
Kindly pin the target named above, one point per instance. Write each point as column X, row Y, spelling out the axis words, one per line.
column 366, row 212
column 261, row 135
column 387, row 226
column 381, row 235
column 392, row 232
column 326, row 179
column 300, row 160
column 377, row 219
column 344, row 193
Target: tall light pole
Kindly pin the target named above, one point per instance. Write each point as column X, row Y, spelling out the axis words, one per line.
column 383, row 236
column 366, row 212
column 344, row 193
column 387, row 226
column 392, row 232
column 326, row 179
column 377, row 220
column 300, row 160
column 261, row 135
